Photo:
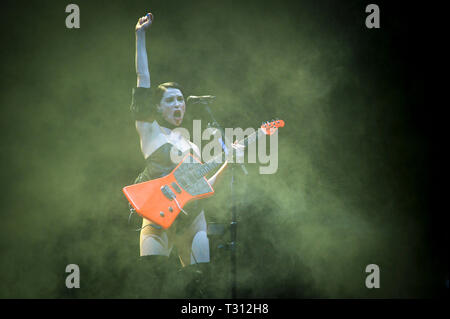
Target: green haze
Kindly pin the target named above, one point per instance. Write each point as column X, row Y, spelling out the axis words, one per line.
column 349, row 186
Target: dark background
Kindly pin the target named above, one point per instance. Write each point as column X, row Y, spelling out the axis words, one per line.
column 357, row 157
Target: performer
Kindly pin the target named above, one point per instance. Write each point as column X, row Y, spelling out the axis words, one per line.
column 157, row 111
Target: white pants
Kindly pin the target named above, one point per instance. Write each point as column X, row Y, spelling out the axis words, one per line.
column 192, row 244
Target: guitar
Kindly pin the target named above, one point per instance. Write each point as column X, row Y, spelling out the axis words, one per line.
column 161, row 200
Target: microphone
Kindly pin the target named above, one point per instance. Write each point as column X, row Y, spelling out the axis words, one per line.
column 204, row 99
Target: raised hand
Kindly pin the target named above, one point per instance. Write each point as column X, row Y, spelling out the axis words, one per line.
column 144, row 22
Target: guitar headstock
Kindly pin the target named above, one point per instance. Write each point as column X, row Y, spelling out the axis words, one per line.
column 270, row 127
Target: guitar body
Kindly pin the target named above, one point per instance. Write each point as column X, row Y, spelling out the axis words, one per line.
column 159, row 200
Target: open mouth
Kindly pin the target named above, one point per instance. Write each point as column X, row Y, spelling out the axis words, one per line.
column 177, row 115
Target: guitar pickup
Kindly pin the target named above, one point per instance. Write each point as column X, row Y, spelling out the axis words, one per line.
column 168, row 192
column 176, row 187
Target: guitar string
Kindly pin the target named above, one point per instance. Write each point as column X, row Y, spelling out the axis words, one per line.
column 208, row 168
column 248, row 139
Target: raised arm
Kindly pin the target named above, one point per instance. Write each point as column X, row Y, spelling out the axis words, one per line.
column 143, row 81
column 142, row 72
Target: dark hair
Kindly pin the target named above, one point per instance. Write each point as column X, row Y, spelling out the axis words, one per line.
column 162, row 88
column 145, row 100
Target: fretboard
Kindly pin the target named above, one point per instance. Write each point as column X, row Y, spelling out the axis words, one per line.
column 215, row 162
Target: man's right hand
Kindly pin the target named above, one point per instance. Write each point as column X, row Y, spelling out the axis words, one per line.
column 144, row 23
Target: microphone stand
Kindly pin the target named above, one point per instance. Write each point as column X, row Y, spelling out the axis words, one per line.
column 233, row 224
column 233, row 239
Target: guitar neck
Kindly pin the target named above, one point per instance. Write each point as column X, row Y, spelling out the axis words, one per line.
column 217, row 160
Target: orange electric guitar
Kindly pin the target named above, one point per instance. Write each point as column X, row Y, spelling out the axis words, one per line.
column 161, row 200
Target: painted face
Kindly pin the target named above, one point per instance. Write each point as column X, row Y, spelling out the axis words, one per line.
column 172, row 106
